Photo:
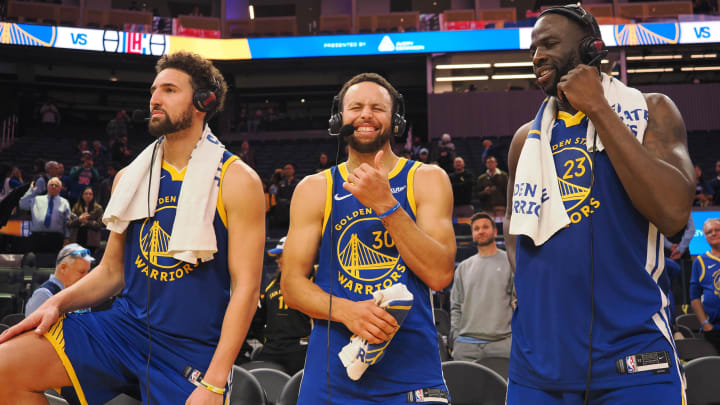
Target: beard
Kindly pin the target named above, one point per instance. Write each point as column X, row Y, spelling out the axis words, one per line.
column 368, row 147
column 168, row 126
column 561, row 71
column 485, row 242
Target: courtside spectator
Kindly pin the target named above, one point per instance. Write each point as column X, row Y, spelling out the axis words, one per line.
column 72, row 263
column 704, row 291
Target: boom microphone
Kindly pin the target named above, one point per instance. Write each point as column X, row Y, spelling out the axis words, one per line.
column 140, row 117
column 347, row 130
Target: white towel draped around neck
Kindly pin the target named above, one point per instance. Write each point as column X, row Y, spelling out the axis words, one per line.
column 536, row 185
column 193, row 234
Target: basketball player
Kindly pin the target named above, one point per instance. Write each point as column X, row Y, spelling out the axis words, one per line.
column 378, row 220
column 193, row 320
column 595, row 280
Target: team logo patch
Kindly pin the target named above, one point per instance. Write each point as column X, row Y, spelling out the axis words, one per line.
column 574, row 174
column 366, row 254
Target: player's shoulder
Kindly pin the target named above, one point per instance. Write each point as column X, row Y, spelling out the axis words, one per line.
column 240, row 172
column 431, row 173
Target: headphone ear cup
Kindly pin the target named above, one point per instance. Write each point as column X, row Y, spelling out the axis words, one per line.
column 398, row 124
column 335, row 123
column 204, row 100
column 590, row 48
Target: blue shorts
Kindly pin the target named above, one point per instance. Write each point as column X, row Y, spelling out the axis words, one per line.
column 104, row 353
column 667, row 393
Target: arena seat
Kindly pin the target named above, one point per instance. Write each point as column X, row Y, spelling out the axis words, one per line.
column 12, row 319
column 499, row 365
column 255, row 364
column 290, row 392
column 472, row 383
column 55, row 400
column 3, row 327
column 702, row 386
column 246, row 389
column 689, row 320
column 693, row 348
column 686, row 332
column 272, row 381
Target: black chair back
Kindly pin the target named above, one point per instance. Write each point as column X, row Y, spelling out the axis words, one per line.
column 291, row 391
column 246, row 389
column 473, row 384
column 702, row 381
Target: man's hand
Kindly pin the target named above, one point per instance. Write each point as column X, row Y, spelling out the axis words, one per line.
column 582, row 88
column 707, row 327
column 370, row 185
column 367, row 320
column 42, row 319
column 203, row 396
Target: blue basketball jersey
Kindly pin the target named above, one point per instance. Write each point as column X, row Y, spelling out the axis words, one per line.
column 705, row 285
column 552, row 320
column 358, row 256
column 186, row 299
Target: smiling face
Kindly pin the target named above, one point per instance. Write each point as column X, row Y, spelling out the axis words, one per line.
column 554, row 50
column 368, row 107
column 711, row 229
column 171, row 103
column 483, row 232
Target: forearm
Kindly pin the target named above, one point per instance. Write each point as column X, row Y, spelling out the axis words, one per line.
column 429, row 260
column 697, row 307
column 660, row 191
column 239, row 314
column 307, row 297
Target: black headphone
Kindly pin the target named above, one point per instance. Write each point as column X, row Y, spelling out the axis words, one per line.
column 205, row 99
column 592, row 48
column 398, row 118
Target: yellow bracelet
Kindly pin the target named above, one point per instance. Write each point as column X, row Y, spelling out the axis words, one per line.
column 211, row 387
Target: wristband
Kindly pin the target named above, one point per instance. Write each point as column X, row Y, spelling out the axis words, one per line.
column 390, row 211
column 211, row 387
column 704, row 322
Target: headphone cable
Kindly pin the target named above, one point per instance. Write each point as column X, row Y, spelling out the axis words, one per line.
column 147, row 302
column 592, row 275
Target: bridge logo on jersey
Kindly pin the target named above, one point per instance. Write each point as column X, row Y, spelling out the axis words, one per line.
column 154, row 240
column 574, row 174
column 716, row 282
column 367, row 255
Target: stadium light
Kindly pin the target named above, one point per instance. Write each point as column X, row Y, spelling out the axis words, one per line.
column 464, row 66
column 461, row 78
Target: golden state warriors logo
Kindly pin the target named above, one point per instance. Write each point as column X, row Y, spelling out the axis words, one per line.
column 647, row 34
column 27, row 34
column 366, row 253
column 154, row 239
column 716, row 282
column 574, row 173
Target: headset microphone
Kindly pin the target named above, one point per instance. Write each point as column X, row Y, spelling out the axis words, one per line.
column 140, row 116
column 346, row 130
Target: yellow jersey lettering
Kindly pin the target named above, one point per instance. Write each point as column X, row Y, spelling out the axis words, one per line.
column 395, row 276
column 144, row 270
column 172, row 276
column 139, row 262
column 368, row 289
column 188, row 268
column 179, row 273
column 358, row 288
column 153, row 274
column 163, row 276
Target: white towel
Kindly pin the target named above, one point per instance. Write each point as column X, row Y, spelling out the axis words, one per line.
column 358, row 355
column 193, row 234
column 538, row 209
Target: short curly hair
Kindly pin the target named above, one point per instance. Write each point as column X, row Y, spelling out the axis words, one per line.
column 203, row 75
column 375, row 78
